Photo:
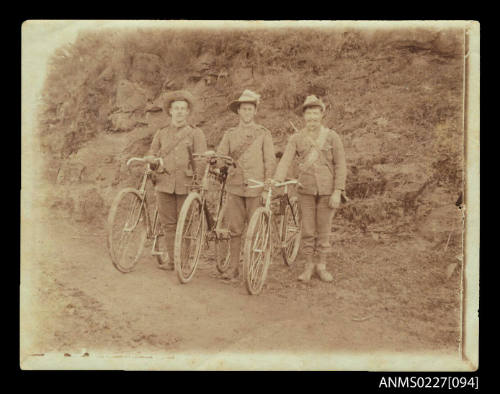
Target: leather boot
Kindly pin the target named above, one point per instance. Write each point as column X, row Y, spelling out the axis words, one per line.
column 323, row 274
column 234, row 263
column 308, row 271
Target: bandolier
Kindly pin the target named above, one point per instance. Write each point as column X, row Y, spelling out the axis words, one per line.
column 173, row 143
column 251, row 146
column 322, row 177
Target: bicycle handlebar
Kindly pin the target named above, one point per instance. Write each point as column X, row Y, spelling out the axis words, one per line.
column 142, row 160
column 272, row 182
column 213, row 155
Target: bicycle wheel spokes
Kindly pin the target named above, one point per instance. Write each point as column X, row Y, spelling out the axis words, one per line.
column 131, row 221
column 222, row 244
column 265, row 252
column 126, row 230
column 159, row 241
column 257, row 251
column 189, row 238
column 291, row 235
column 291, row 232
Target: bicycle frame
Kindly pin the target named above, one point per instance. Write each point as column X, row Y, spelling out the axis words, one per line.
column 268, row 202
column 151, row 225
column 213, row 221
column 191, row 235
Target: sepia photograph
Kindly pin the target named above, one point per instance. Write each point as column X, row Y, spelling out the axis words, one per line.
column 249, row 195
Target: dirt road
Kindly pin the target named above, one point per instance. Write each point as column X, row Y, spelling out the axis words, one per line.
column 392, row 299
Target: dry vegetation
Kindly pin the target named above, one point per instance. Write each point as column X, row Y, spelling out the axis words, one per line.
column 394, row 97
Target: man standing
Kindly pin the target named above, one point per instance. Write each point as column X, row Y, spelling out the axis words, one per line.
column 322, row 176
column 172, row 143
column 251, row 147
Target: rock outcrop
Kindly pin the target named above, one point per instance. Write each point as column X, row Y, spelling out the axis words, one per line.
column 394, row 98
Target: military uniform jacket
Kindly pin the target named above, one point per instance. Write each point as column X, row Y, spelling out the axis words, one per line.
column 257, row 162
column 326, row 174
column 171, row 144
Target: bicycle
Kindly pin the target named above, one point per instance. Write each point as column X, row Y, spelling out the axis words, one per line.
column 283, row 213
column 129, row 224
column 196, row 225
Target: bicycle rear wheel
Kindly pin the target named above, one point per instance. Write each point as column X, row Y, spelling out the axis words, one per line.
column 291, row 232
column 126, row 230
column 257, row 251
column 189, row 237
column 222, row 244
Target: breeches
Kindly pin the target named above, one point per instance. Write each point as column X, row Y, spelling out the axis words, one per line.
column 239, row 210
column 316, row 223
column 169, row 207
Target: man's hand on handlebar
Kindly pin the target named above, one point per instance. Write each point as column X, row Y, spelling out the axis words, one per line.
column 269, row 183
column 155, row 163
column 210, row 154
column 215, row 159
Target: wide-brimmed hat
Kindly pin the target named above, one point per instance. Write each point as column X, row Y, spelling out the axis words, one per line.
column 179, row 95
column 313, row 101
column 246, row 97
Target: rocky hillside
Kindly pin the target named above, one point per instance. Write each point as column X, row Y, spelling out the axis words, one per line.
column 394, row 96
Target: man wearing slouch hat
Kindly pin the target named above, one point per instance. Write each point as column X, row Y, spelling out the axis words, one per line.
column 251, row 147
column 321, row 176
column 172, row 143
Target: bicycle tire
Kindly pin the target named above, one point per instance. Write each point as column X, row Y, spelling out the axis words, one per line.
column 192, row 209
column 127, row 206
column 257, row 251
column 291, row 232
column 222, row 246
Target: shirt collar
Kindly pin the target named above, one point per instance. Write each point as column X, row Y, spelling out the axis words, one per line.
column 177, row 128
column 314, row 132
column 246, row 126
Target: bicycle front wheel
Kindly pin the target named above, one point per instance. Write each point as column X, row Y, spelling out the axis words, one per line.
column 189, row 237
column 257, row 251
column 126, row 230
column 291, row 232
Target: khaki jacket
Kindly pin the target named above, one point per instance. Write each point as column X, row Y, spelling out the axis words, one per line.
column 179, row 174
column 257, row 162
column 320, row 178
